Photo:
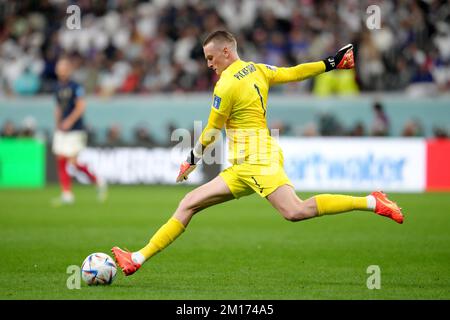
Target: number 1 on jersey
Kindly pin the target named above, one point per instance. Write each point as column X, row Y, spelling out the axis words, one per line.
column 261, row 98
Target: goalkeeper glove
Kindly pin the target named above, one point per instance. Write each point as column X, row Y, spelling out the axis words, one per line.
column 342, row 60
column 187, row 166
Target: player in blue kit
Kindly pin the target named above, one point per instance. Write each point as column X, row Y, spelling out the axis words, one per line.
column 70, row 136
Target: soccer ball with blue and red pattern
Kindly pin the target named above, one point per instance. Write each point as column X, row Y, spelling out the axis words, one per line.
column 98, row 269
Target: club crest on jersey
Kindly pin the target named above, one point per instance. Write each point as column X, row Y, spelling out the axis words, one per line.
column 216, row 102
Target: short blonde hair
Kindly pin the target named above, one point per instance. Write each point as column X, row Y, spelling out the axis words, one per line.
column 222, row 36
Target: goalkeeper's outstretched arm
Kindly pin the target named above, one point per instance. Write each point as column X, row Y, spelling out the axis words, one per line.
column 342, row 60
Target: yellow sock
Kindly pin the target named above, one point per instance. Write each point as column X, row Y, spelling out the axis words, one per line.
column 336, row 203
column 163, row 237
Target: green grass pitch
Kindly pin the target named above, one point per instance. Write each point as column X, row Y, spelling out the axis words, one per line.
column 237, row 250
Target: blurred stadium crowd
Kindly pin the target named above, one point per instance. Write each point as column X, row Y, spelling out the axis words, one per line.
column 130, row 46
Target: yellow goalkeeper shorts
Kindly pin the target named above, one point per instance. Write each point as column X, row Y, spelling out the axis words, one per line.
column 244, row 179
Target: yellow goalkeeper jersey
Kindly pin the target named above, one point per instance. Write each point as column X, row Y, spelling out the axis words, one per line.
column 240, row 104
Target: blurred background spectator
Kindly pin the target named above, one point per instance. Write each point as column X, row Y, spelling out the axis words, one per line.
column 143, row 138
column 278, row 127
column 357, row 130
column 114, row 136
column 330, row 126
column 28, row 127
column 380, row 125
column 412, row 128
column 133, row 46
column 9, row 130
column 440, row 133
column 309, row 130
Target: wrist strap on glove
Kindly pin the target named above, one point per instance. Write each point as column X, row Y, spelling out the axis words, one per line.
column 196, row 154
column 192, row 159
column 330, row 63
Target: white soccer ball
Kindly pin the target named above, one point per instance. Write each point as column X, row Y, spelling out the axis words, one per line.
column 98, row 268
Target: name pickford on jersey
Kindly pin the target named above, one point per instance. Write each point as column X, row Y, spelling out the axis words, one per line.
column 245, row 71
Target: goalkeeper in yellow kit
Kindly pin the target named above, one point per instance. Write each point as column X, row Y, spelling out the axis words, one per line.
column 240, row 105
